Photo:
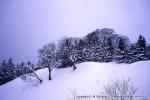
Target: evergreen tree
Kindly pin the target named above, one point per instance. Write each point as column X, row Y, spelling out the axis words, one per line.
column 120, row 53
column 141, row 48
column 10, row 63
column 121, row 44
column 8, row 71
column 3, row 63
column 141, row 43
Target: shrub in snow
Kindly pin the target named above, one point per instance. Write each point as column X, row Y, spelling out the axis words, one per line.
column 120, row 90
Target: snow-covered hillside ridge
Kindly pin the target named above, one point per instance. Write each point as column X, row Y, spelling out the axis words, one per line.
column 88, row 78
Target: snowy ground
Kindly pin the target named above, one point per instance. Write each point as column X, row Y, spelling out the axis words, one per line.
column 87, row 79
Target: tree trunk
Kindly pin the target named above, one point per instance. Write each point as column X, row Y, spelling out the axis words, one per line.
column 49, row 69
column 74, row 67
column 38, row 78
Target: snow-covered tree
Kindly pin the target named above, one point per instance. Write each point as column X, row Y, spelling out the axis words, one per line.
column 141, row 43
column 47, row 57
column 68, row 52
column 141, row 49
column 8, row 71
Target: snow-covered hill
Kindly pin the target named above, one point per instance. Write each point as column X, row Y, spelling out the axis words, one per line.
column 88, row 78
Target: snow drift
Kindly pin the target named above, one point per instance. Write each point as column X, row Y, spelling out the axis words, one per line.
column 88, row 78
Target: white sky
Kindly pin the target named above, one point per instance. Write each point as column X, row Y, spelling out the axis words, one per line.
column 26, row 25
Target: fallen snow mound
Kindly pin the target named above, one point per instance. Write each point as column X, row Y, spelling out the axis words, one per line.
column 88, row 78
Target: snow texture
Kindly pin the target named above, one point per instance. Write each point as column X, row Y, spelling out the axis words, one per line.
column 87, row 79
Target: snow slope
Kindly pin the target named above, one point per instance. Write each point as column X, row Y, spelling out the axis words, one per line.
column 88, row 79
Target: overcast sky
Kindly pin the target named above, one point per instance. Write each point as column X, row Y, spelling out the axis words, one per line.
column 26, row 25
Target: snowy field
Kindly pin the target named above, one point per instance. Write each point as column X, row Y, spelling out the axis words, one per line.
column 88, row 79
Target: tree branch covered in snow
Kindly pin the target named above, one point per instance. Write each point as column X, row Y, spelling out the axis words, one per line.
column 101, row 45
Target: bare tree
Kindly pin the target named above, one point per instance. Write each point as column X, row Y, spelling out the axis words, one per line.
column 120, row 90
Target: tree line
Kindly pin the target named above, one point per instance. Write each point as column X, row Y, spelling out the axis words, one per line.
column 101, row 45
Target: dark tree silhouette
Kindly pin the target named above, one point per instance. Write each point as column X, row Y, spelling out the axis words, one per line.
column 121, row 44
column 141, row 43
